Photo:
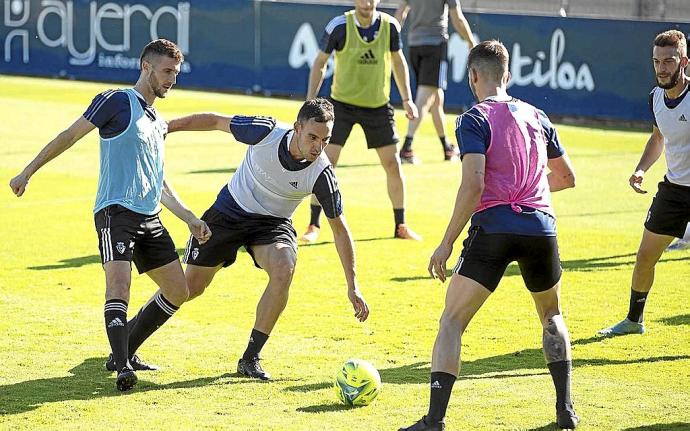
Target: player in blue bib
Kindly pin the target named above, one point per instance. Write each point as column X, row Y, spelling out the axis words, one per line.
column 131, row 187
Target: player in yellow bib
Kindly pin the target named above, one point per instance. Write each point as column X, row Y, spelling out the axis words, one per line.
column 367, row 49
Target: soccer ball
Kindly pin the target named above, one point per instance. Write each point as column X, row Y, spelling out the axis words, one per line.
column 357, row 383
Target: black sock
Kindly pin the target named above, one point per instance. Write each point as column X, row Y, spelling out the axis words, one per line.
column 407, row 146
column 115, row 312
column 399, row 216
column 315, row 215
column 560, row 373
column 151, row 317
column 441, row 387
column 256, row 343
column 637, row 303
column 444, row 142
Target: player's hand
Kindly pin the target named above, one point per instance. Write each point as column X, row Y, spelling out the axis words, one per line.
column 437, row 263
column 636, row 181
column 18, row 184
column 410, row 109
column 200, row 230
column 359, row 304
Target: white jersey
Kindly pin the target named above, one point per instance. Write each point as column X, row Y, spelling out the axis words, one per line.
column 261, row 185
column 674, row 125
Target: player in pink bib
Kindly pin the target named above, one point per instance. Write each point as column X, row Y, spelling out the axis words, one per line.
column 507, row 146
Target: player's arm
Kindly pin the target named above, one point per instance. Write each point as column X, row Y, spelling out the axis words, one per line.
column 317, row 73
column 466, row 202
column 460, row 24
column 346, row 251
column 402, row 11
column 328, row 194
column 562, row 174
column 57, row 146
column 200, row 122
column 652, row 152
column 401, row 74
column 171, row 201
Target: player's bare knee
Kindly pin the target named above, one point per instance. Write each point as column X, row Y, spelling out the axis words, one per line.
column 282, row 269
column 453, row 320
column 646, row 259
column 195, row 286
column 117, row 289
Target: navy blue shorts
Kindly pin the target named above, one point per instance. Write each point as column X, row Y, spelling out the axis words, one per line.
column 485, row 257
column 670, row 210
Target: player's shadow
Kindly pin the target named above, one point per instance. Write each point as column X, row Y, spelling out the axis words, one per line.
column 72, row 262
column 529, row 362
column 76, row 262
column 318, row 244
column 682, row 319
column 87, row 381
column 662, row 427
column 323, row 408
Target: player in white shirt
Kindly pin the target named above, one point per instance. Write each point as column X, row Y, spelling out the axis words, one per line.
column 669, row 214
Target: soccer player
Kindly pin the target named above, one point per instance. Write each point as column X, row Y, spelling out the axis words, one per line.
column 669, row 213
column 506, row 145
column 428, row 41
column 131, row 187
column 367, row 47
column 282, row 166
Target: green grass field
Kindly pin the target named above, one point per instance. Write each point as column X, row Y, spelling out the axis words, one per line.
column 52, row 289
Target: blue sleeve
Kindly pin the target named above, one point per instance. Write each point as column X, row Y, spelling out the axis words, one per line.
column 472, row 132
column 333, row 38
column 328, row 194
column 251, row 130
column 554, row 149
column 109, row 107
column 396, row 43
column 651, row 107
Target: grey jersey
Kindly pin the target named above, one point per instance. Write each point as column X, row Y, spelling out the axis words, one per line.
column 262, row 185
column 427, row 21
column 674, row 125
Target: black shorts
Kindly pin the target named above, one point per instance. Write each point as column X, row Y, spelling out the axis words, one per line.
column 670, row 210
column 378, row 124
column 130, row 236
column 485, row 258
column 228, row 234
column 430, row 65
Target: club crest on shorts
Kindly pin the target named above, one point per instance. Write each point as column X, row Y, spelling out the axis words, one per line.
column 195, row 253
column 120, row 247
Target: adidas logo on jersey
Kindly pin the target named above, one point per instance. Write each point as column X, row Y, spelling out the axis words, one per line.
column 368, row 58
column 115, row 322
column 436, row 385
column 682, row 118
column 293, row 184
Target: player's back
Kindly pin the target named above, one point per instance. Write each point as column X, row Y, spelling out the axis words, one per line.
column 516, row 156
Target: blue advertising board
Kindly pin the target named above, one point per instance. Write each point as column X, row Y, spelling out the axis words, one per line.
column 567, row 66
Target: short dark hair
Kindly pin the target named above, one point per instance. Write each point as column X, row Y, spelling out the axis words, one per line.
column 673, row 38
column 491, row 57
column 161, row 47
column 320, row 109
